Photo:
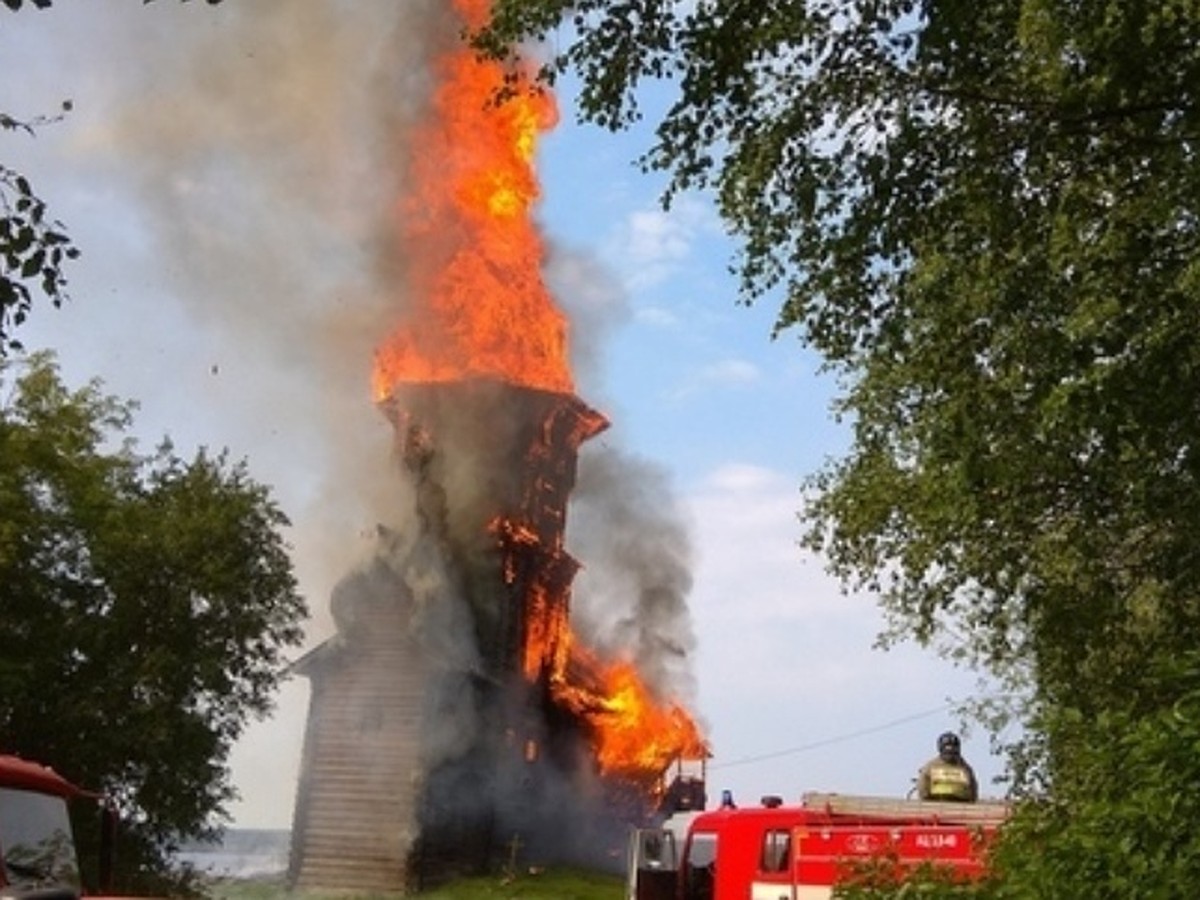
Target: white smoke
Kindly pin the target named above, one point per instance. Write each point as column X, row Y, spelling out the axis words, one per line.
column 256, row 144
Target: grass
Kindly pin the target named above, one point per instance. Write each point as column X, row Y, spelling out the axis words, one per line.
column 547, row 885
column 550, row 884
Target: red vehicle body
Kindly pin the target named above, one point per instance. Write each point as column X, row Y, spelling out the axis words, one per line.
column 776, row 852
column 37, row 846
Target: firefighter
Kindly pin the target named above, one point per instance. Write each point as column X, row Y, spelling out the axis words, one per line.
column 948, row 776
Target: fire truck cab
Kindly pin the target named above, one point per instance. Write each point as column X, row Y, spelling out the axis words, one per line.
column 777, row 852
column 37, row 846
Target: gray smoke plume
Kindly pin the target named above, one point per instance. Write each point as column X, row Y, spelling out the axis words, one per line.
column 631, row 596
column 250, row 154
column 595, row 302
column 261, row 146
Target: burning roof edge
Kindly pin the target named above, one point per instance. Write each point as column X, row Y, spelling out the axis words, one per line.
column 426, row 400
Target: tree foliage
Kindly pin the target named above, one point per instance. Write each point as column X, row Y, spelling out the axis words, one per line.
column 987, row 219
column 33, row 247
column 145, row 606
column 1122, row 817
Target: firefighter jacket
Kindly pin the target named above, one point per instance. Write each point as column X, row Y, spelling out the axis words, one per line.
column 940, row 779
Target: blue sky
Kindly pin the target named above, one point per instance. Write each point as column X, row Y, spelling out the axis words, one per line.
column 221, row 171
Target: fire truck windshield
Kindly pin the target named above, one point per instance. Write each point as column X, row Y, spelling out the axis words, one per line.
column 36, row 846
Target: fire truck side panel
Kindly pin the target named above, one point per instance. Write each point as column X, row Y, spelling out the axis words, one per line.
column 798, row 853
column 823, row 854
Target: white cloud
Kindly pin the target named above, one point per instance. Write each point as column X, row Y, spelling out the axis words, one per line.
column 733, row 477
column 793, row 694
column 657, row 316
column 731, row 371
column 724, row 373
column 653, row 244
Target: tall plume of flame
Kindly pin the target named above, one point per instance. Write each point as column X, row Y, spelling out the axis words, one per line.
column 482, row 310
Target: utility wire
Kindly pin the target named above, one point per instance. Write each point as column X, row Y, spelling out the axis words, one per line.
column 863, row 732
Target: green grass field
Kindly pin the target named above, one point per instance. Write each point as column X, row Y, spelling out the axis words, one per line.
column 559, row 884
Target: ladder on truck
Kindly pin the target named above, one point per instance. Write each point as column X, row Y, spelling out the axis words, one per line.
column 982, row 812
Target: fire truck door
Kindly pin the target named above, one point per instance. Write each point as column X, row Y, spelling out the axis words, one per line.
column 772, row 878
column 653, row 868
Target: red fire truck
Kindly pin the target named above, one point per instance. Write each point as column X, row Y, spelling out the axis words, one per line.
column 777, row 852
column 37, row 846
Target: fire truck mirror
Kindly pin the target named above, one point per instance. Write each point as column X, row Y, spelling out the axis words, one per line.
column 652, row 850
column 658, row 850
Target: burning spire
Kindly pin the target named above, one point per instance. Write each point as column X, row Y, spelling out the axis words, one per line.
column 479, row 306
column 477, row 311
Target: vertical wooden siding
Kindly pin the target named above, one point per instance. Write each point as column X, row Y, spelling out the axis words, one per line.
column 355, row 819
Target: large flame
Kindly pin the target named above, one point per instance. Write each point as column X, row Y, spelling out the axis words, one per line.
column 478, row 308
column 635, row 736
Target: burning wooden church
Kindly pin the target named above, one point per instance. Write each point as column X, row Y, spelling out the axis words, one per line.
column 454, row 718
column 432, row 725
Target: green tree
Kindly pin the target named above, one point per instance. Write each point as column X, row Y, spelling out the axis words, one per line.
column 145, row 606
column 987, row 219
column 1122, row 818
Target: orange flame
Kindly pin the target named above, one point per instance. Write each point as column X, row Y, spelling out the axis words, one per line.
column 483, row 309
column 636, row 736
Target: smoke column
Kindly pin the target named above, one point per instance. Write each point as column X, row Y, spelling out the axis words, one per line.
column 256, row 145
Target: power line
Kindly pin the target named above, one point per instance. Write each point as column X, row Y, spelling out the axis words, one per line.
column 849, row 736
